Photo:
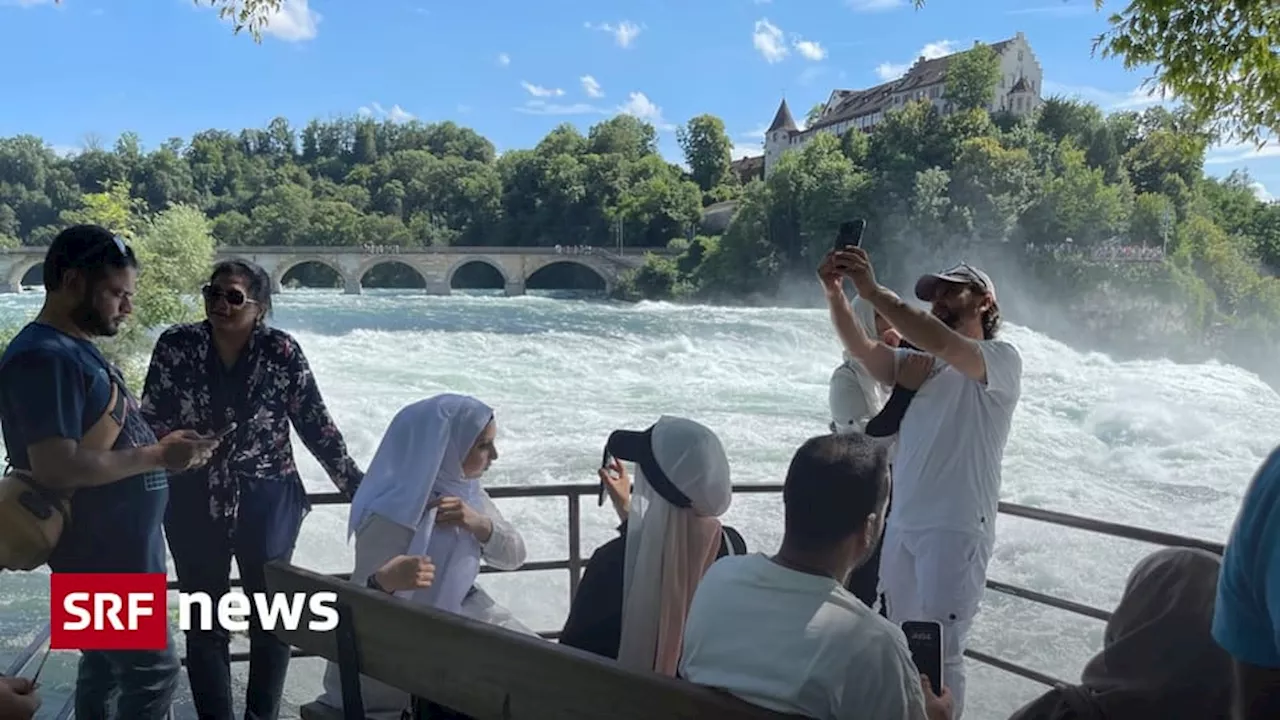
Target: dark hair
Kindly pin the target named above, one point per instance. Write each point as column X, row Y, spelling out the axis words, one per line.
column 833, row 484
column 91, row 249
column 257, row 283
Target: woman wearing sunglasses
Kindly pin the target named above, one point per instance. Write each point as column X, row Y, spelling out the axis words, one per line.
column 235, row 376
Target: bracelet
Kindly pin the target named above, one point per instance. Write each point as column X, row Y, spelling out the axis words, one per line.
column 372, row 584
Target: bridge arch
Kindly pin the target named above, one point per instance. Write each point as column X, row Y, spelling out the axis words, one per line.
column 20, row 270
column 486, row 260
column 281, row 270
column 394, row 269
column 579, row 272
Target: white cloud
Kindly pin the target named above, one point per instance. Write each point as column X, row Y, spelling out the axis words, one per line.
column 396, row 114
column 504, row 59
column 768, row 41
column 591, row 87
column 539, row 91
column 1238, row 152
column 292, row 22
column 1059, row 9
column 739, row 151
column 1260, row 191
column 624, row 33
column 810, row 49
column 1136, row 99
column 640, row 106
column 542, row 107
column 875, row 5
column 893, row 71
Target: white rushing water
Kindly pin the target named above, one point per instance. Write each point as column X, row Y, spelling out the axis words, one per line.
column 1148, row 443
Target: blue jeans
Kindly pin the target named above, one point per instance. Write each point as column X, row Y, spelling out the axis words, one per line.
column 139, row 683
column 271, row 514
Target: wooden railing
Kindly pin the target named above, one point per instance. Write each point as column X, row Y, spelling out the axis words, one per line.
column 574, row 562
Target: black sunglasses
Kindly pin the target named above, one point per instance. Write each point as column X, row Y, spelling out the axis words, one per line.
column 234, row 297
column 116, row 245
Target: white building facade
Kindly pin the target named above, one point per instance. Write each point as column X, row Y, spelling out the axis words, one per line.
column 1018, row 92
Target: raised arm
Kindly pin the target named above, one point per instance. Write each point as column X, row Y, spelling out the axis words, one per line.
column 504, row 549
column 877, row 357
column 931, row 335
column 316, row 427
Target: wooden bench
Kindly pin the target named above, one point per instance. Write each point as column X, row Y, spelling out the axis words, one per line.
column 484, row 671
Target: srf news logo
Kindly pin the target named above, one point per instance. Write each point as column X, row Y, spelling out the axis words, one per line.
column 130, row 611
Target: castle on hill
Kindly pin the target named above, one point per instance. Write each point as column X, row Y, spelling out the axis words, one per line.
column 1018, row 92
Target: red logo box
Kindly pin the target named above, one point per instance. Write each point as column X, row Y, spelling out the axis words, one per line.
column 108, row 611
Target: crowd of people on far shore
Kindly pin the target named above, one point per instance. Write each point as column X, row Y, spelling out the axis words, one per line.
column 889, row 517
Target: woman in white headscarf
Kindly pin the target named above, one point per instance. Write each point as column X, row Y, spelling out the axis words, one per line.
column 855, row 396
column 423, row 524
column 672, row 535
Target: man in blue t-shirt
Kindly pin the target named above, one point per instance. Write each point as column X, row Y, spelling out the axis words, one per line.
column 1246, row 618
column 54, row 386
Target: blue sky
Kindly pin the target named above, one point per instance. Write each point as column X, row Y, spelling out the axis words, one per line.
column 513, row 70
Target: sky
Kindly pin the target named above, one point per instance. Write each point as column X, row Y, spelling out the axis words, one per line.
column 513, row 70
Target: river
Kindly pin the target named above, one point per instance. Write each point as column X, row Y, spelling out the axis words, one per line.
column 1150, row 443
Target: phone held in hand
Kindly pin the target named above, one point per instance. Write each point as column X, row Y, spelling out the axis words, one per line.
column 225, row 432
column 924, row 640
column 850, row 235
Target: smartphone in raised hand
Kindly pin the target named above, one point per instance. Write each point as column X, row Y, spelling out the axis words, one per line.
column 850, row 234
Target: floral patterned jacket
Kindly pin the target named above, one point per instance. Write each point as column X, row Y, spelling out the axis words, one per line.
column 275, row 388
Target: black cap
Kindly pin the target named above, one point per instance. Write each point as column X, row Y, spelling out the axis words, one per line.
column 637, row 446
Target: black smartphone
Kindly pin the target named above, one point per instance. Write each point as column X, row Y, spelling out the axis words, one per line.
column 924, row 639
column 605, row 461
column 850, row 235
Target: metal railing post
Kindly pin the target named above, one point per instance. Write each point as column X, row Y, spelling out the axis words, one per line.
column 575, row 544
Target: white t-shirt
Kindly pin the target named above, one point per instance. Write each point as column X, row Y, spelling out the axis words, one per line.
column 946, row 469
column 797, row 643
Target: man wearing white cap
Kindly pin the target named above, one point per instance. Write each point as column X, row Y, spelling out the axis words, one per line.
column 946, row 468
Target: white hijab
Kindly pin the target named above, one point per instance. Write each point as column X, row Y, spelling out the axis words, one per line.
column 669, row 548
column 419, row 460
column 854, row 395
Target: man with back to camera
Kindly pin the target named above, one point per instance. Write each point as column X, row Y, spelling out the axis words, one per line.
column 1246, row 613
column 946, row 467
column 54, row 385
column 782, row 632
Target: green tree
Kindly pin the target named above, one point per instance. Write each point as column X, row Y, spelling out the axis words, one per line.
column 708, row 151
column 972, row 77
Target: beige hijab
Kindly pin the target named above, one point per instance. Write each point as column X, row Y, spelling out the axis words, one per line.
column 1159, row 659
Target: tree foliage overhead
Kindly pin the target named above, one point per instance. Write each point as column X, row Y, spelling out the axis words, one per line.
column 1218, row 56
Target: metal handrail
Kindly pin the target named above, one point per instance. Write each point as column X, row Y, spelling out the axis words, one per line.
column 574, row 563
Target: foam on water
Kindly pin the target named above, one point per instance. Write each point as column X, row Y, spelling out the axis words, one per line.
column 1149, row 443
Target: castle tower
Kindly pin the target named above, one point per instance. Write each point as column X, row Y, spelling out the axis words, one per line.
column 777, row 139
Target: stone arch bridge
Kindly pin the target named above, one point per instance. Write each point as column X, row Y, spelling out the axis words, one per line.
column 436, row 266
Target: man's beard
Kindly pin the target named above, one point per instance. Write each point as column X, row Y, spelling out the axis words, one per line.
column 87, row 318
column 949, row 317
